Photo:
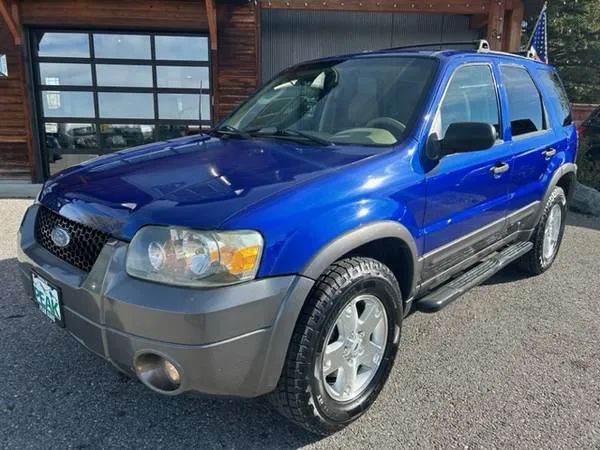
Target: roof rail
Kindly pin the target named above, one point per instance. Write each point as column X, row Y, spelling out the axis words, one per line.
column 481, row 45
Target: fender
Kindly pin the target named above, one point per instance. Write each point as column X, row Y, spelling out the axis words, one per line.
column 560, row 172
column 291, row 307
column 360, row 236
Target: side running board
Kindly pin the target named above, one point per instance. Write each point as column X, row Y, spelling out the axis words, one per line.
column 447, row 293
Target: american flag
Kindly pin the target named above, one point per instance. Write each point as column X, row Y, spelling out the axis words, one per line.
column 538, row 44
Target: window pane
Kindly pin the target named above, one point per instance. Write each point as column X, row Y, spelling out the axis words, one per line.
column 524, row 102
column 471, row 97
column 68, row 136
column 115, row 136
column 128, row 46
column 73, row 45
column 60, row 74
column 123, row 75
column 558, row 96
column 171, row 131
column 68, row 104
column 126, row 105
column 68, row 161
column 182, row 77
column 183, row 106
column 191, row 48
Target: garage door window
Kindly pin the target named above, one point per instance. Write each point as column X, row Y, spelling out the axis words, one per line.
column 98, row 92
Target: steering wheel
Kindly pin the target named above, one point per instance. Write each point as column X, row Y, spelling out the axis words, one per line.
column 387, row 123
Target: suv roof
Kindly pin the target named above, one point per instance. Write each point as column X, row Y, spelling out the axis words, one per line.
column 445, row 54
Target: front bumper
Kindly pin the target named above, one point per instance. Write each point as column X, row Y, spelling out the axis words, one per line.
column 225, row 341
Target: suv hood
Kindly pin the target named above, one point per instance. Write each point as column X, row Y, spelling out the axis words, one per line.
column 196, row 181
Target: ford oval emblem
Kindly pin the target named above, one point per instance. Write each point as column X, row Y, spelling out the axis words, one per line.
column 60, row 237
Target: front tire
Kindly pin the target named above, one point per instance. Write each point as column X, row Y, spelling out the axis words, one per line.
column 547, row 235
column 343, row 346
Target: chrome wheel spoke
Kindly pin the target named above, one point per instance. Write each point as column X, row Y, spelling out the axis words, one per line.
column 370, row 318
column 552, row 232
column 349, row 377
column 371, row 356
column 333, row 359
column 354, row 347
column 348, row 321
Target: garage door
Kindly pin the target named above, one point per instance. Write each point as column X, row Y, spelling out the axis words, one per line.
column 289, row 37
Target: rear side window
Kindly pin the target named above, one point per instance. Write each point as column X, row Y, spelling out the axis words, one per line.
column 470, row 97
column 524, row 101
column 558, row 96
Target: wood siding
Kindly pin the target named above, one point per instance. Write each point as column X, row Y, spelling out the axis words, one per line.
column 14, row 156
column 126, row 14
column 238, row 54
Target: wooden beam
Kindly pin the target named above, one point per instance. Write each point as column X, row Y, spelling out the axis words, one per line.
column 432, row 6
column 495, row 27
column 15, row 30
column 211, row 13
column 512, row 27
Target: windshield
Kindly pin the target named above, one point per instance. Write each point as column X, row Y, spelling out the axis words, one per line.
column 362, row 101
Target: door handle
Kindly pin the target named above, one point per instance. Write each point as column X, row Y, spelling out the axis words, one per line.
column 499, row 168
column 549, row 152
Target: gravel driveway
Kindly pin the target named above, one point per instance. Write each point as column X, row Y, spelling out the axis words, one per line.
column 514, row 363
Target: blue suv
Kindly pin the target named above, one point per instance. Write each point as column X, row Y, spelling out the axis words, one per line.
column 279, row 253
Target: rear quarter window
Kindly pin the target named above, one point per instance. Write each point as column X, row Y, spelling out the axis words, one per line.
column 557, row 95
column 525, row 106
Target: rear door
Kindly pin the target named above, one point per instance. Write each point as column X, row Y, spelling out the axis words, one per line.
column 539, row 143
column 467, row 193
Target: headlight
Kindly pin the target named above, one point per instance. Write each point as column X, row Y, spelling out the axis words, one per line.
column 186, row 257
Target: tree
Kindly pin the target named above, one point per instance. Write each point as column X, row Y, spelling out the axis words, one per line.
column 574, row 46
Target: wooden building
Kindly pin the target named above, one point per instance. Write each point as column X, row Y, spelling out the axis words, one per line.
column 88, row 77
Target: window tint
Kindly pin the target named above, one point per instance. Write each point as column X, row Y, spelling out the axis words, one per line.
column 524, row 101
column 470, row 97
column 65, row 45
column 126, row 105
column 191, row 48
column 122, row 46
column 124, row 75
column 183, row 106
column 67, row 104
column 57, row 74
column 185, row 77
column 558, row 96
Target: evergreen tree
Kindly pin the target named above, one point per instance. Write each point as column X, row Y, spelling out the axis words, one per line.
column 574, row 46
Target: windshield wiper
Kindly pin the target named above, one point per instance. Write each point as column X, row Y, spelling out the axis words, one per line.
column 288, row 132
column 231, row 131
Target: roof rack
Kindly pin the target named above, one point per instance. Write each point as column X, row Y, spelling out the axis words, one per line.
column 481, row 45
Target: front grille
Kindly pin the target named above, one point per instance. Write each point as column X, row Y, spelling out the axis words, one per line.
column 84, row 246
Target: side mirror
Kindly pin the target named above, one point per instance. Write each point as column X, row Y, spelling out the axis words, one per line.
column 462, row 137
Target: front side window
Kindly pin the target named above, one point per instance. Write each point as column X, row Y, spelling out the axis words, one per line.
column 470, row 97
column 524, row 101
column 362, row 101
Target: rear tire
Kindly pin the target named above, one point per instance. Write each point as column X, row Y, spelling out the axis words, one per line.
column 547, row 235
column 327, row 355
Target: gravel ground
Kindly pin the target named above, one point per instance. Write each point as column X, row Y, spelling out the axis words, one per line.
column 514, row 363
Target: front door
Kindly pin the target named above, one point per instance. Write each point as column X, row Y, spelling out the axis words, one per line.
column 467, row 193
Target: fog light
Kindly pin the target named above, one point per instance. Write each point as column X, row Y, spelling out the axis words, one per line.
column 172, row 372
column 157, row 372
